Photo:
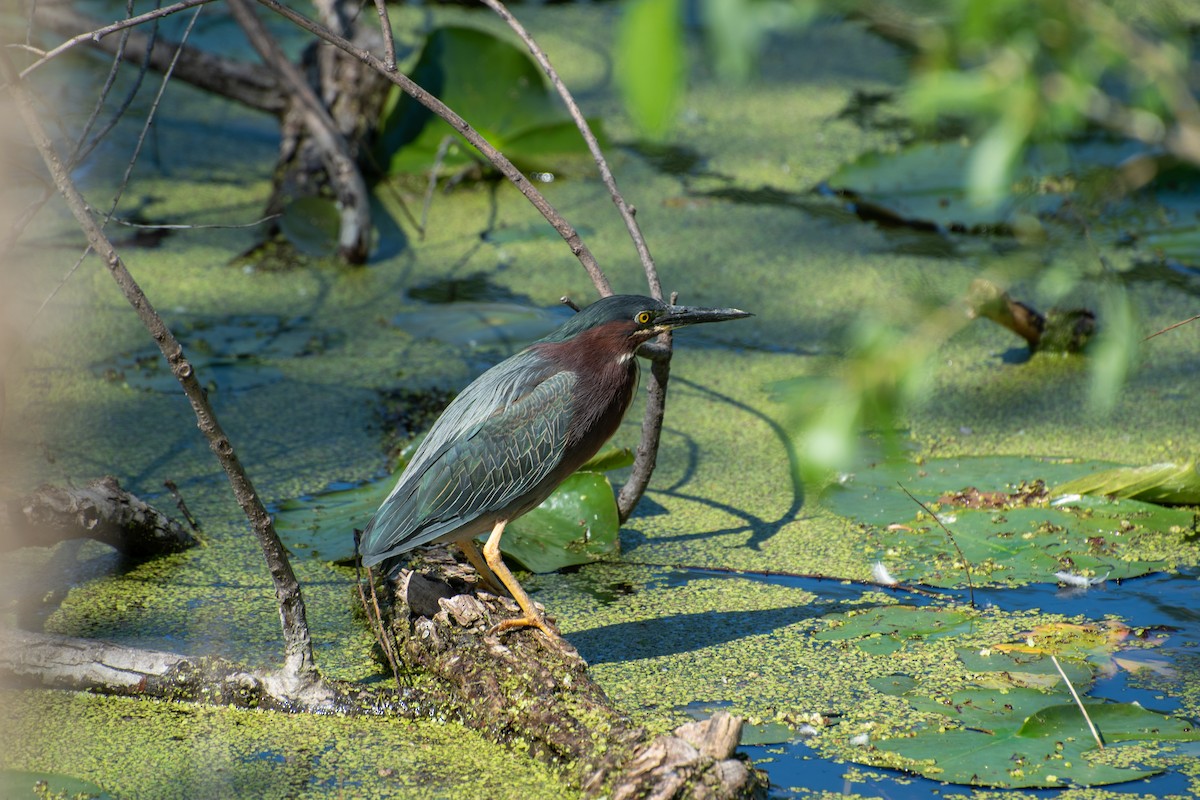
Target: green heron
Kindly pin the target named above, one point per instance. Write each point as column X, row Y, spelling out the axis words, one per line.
column 512, row 436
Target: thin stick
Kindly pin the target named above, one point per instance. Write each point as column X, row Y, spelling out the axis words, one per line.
column 1172, row 327
column 628, row 212
column 298, row 653
column 494, row 156
column 950, row 536
column 1078, row 702
column 660, row 368
column 389, row 42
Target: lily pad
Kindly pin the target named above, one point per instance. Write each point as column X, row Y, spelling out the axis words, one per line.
column 1025, row 738
column 887, row 629
column 497, row 88
column 926, row 184
column 1029, row 670
column 1171, row 484
column 577, row 524
column 1025, row 543
column 311, row 224
column 322, row 525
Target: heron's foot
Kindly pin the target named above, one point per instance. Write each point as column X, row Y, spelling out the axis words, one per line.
column 540, row 623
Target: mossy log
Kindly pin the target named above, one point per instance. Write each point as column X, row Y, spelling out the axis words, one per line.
column 520, row 688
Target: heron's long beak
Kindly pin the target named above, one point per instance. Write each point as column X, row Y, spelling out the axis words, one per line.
column 678, row 316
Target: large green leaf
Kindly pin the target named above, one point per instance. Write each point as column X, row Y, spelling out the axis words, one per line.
column 492, row 84
column 651, row 63
column 576, row 524
column 1016, row 535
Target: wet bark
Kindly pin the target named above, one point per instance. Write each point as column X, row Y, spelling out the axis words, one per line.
column 518, row 686
column 102, row 510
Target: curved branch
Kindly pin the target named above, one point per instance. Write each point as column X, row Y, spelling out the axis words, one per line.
column 628, row 212
column 660, row 371
column 494, row 156
column 299, row 663
column 354, row 204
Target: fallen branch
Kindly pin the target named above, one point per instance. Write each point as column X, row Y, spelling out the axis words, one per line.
column 102, row 510
column 520, row 687
column 65, row 662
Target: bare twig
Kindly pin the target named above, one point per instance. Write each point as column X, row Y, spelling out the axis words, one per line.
column 628, row 212
column 244, row 83
column 299, row 667
column 1172, row 327
column 1083, row 710
column 389, row 42
column 660, row 370
column 95, row 35
column 950, row 536
column 173, row 488
column 494, row 156
column 647, row 450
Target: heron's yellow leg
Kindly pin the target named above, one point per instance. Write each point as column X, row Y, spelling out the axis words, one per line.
column 487, row 578
column 491, row 552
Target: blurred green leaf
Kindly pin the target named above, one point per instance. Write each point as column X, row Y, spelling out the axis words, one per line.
column 1170, row 484
column 1115, row 349
column 496, row 87
column 736, row 30
column 651, row 63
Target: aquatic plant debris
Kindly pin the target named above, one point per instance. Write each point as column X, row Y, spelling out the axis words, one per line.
column 1010, row 531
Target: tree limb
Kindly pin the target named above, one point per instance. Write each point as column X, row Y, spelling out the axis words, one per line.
column 354, row 205
column 65, row 662
column 298, row 653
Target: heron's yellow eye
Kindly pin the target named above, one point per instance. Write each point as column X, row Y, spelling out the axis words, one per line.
column 644, row 317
